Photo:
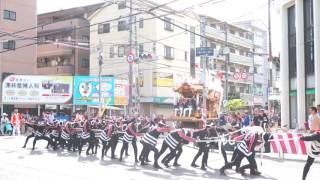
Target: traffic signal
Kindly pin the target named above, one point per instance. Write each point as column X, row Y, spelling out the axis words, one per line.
column 145, row 56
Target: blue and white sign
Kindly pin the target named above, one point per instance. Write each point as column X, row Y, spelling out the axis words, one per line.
column 86, row 90
column 204, row 51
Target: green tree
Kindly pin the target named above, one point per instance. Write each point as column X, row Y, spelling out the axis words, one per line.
column 235, row 104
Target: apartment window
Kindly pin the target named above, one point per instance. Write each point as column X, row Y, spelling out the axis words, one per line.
column 103, row 28
column 121, row 51
column 9, row 45
column 232, row 50
column 85, row 38
column 222, row 27
column 241, row 52
column 168, row 24
column 141, row 23
column 123, row 25
column 186, row 56
column 111, row 52
column 213, row 25
column 308, row 37
column 213, row 45
column 232, row 31
column 241, row 35
column 85, row 63
column 168, row 52
column 241, row 89
column 186, row 29
column 249, row 36
column 192, row 36
column 9, row 15
column 122, row 5
column 292, row 42
column 141, row 50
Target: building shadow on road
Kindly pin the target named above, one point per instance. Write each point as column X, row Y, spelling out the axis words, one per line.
column 36, row 152
column 89, row 158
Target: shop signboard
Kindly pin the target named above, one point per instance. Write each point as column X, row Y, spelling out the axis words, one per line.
column 86, row 90
column 22, row 89
column 121, row 92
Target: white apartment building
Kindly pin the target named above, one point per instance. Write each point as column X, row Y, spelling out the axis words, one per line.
column 247, row 63
column 169, row 46
column 173, row 50
column 299, row 60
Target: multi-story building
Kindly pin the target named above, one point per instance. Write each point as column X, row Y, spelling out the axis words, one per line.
column 274, row 92
column 245, row 62
column 18, row 49
column 171, row 39
column 172, row 49
column 299, row 60
column 64, row 41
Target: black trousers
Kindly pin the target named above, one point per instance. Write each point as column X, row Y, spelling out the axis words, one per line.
column 36, row 138
column 306, row 168
column 125, row 147
column 175, row 153
column 82, row 142
column 203, row 149
column 237, row 160
column 146, row 150
column 27, row 139
column 310, row 160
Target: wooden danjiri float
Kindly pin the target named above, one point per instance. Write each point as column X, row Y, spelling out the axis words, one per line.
column 189, row 111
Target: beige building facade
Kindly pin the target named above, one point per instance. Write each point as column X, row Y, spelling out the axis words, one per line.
column 18, row 49
column 169, row 46
column 64, row 41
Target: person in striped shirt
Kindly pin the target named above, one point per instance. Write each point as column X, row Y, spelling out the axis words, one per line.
column 106, row 137
column 149, row 142
column 174, row 142
column 203, row 134
column 40, row 134
column 315, row 136
column 130, row 136
column 244, row 149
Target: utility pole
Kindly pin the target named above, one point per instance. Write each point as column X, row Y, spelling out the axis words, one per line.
column 136, row 71
column 226, row 62
column 253, row 73
column 204, row 61
column 100, row 58
column 270, row 44
column 130, row 105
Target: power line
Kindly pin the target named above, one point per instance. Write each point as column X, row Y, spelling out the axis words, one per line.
column 154, row 16
column 80, row 27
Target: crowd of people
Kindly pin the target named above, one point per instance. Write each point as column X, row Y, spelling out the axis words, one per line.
column 249, row 131
column 108, row 132
column 259, row 117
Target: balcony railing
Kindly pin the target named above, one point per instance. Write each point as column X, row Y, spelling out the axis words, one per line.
column 51, row 70
column 53, row 50
column 237, row 40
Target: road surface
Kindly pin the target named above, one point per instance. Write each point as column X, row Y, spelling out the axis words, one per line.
column 17, row 163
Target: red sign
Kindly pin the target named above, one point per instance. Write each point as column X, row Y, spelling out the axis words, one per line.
column 130, row 58
column 240, row 75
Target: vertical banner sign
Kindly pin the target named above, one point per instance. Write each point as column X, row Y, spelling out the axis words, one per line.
column 120, row 92
column 86, row 90
column 37, row 89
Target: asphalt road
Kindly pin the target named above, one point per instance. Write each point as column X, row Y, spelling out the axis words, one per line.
column 17, row 163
